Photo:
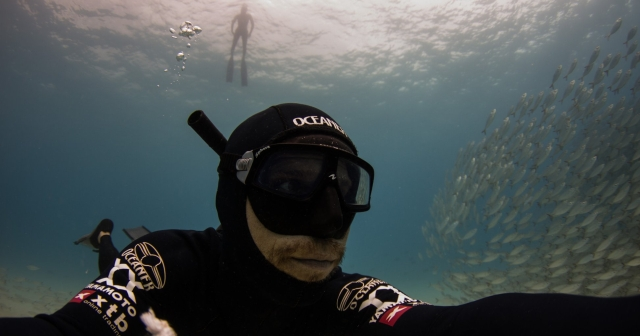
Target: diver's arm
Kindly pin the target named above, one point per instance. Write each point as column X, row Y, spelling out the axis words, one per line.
column 520, row 314
column 159, row 271
column 32, row 326
column 251, row 20
column 374, row 307
column 95, row 310
column 517, row 314
column 233, row 22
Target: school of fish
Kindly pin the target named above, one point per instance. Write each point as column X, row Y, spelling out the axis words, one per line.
column 549, row 201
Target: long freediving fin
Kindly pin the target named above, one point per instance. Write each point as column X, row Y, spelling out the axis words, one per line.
column 230, row 70
column 243, row 73
column 84, row 240
column 91, row 240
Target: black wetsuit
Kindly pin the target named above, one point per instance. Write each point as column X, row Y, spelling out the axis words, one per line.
column 180, row 274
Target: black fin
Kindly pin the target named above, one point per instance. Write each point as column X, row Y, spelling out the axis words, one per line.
column 230, row 70
column 243, row 73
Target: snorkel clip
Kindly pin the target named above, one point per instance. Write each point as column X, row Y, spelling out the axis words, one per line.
column 243, row 165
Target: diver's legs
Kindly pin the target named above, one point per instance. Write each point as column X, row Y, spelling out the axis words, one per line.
column 236, row 36
column 104, row 228
column 100, row 239
column 244, row 79
column 107, row 253
column 244, row 45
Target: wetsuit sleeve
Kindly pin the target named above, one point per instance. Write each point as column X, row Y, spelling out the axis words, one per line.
column 161, row 270
column 373, row 307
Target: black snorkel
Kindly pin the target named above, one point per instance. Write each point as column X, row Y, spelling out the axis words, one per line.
column 207, row 131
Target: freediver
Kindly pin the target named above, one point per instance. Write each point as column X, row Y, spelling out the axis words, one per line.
column 290, row 183
column 243, row 20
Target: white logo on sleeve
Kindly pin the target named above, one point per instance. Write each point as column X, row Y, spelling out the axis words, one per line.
column 147, row 264
column 369, row 292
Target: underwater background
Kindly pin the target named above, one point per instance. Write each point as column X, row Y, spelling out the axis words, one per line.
column 94, row 108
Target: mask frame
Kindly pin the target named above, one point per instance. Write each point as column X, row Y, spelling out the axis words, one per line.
column 310, row 167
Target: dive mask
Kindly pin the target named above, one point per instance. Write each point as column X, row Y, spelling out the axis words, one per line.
column 298, row 171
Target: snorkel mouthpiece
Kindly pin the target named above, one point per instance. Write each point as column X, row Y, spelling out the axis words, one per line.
column 207, row 131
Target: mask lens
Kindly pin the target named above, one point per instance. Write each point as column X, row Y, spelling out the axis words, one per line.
column 298, row 171
column 293, row 173
column 354, row 182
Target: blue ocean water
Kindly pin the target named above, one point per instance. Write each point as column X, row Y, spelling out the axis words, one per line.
column 92, row 126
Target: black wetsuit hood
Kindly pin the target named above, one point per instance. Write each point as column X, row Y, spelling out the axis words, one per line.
column 241, row 259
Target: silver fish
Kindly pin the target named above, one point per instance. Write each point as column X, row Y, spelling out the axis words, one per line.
column 587, row 166
column 614, row 62
column 523, row 98
column 631, row 49
column 561, row 208
column 622, row 193
column 607, row 60
column 632, row 32
column 537, row 102
column 606, row 243
column 492, row 115
column 616, row 79
column 469, row 234
column 551, row 98
column 623, row 81
column 570, row 289
column 579, row 244
column 598, row 77
column 587, row 70
column 451, row 227
column 594, row 55
column 558, row 263
column 615, row 27
column 611, row 289
column 634, row 90
column 556, row 75
column 617, row 254
column 496, row 237
column 571, row 68
column 599, row 91
column 578, row 90
column 635, row 60
column 633, row 262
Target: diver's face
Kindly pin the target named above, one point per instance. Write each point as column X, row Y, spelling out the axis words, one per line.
column 305, row 258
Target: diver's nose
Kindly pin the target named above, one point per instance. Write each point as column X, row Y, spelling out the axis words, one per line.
column 325, row 215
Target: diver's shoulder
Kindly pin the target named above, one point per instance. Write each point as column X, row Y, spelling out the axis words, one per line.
column 342, row 276
column 353, row 280
column 208, row 239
